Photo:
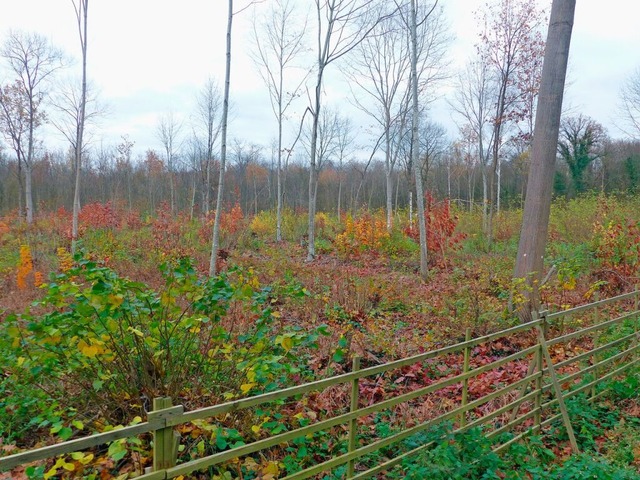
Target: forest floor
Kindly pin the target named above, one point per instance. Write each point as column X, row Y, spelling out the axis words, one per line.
column 361, row 296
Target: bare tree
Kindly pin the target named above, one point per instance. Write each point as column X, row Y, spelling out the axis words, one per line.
column 535, row 221
column 67, row 102
column 81, row 10
column 345, row 139
column 510, row 44
column 207, row 125
column 380, row 69
column 278, row 46
column 472, row 101
column 415, row 144
column 342, row 26
column 33, row 60
column 168, row 132
column 215, row 243
column 15, row 124
column 327, row 140
column 426, row 49
column 630, row 103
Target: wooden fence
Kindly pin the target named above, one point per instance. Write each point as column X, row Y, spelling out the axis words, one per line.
column 526, row 405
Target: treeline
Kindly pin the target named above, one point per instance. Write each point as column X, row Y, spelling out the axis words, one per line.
column 144, row 183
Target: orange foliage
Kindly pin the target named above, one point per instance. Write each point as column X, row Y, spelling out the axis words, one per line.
column 154, row 164
column 328, row 177
column 25, row 267
column 4, row 229
column 365, row 233
column 98, row 215
column 230, row 222
column 38, row 278
column 168, row 233
column 441, row 229
column 256, row 172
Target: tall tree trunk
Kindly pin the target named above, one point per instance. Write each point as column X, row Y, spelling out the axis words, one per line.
column 388, row 170
column 172, row 192
column 207, row 186
column 339, row 208
column 279, row 175
column 470, row 190
column 389, row 194
column 499, row 186
column 82, row 16
column 485, row 200
column 28, row 164
column 28, row 192
column 424, row 268
column 193, row 198
column 215, row 244
column 20, row 189
column 535, row 223
column 313, row 173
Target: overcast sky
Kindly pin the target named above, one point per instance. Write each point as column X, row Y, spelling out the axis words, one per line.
column 149, row 57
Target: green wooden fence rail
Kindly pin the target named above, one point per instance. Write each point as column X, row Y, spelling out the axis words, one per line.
column 544, row 390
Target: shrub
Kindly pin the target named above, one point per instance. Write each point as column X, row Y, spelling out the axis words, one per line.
column 441, row 229
column 111, row 342
column 365, row 233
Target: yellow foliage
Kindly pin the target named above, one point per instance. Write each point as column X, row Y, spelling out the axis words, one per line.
column 65, row 260
column 246, row 387
column 261, row 226
column 365, row 233
column 271, row 468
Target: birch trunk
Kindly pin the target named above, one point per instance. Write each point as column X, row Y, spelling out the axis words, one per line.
column 215, row 244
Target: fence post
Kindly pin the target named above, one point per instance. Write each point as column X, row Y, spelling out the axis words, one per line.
column 537, row 418
column 165, row 440
column 353, row 423
column 465, row 382
column 637, row 304
column 556, row 385
column 596, row 341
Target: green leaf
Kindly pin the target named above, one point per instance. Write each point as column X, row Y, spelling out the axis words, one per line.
column 221, row 442
column 65, row 433
column 338, row 356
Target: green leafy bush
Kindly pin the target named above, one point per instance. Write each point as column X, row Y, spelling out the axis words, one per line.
column 98, row 340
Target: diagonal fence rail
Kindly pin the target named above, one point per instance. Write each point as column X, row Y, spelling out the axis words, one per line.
column 528, row 404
